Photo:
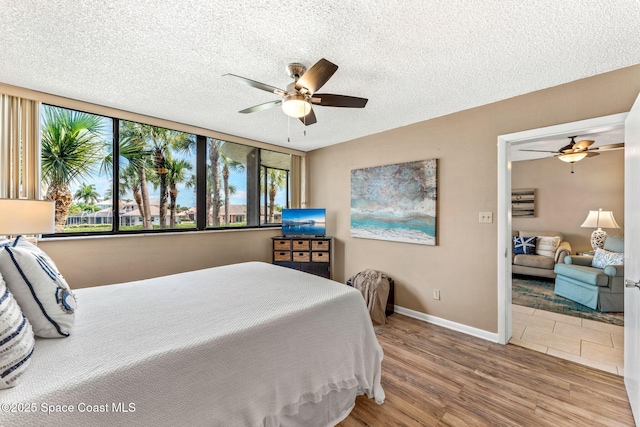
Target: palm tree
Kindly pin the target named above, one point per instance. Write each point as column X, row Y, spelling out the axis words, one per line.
column 133, row 148
column 162, row 141
column 87, row 193
column 213, row 199
column 228, row 165
column 72, row 146
column 130, row 181
column 176, row 173
column 276, row 179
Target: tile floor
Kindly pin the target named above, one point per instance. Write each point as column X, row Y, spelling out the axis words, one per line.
column 595, row 344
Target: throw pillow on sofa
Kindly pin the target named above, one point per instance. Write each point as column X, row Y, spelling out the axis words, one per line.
column 602, row 258
column 524, row 245
column 547, row 246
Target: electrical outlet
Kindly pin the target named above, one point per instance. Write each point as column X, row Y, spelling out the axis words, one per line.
column 436, row 294
column 485, row 217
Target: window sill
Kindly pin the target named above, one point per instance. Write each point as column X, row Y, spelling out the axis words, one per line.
column 166, row 233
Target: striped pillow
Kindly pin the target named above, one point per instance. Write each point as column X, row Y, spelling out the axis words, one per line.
column 16, row 339
column 41, row 291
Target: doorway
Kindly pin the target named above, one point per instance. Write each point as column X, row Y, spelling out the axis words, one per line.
column 505, row 144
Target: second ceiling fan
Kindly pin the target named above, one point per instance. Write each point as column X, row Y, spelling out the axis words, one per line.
column 301, row 94
column 576, row 151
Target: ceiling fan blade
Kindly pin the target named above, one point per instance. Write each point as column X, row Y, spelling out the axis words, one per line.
column 330, row 100
column 309, row 119
column 583, row 144
column 542, row 151
column 261, row 107
column 262, row 86
column 316, row 76
column 608, row 147
column 592, row 154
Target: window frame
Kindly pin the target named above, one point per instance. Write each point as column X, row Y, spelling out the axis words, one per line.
column 200, row 190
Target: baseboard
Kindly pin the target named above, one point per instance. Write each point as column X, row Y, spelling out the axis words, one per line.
column 469, row 330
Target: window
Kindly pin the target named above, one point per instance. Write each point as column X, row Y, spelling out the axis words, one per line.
column 227, row 183
column 164, row 177
column 157, row 187
column 75, row 154
column 274, row 185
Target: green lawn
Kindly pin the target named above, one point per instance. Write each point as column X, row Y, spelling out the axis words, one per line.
column 91, row 228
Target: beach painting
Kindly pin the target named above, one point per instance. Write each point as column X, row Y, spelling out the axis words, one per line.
column 395, row 202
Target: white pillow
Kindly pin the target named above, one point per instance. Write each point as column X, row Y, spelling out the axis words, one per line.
column 547, row 246
column 16, row 339
column 41, row 291
column 602, row 258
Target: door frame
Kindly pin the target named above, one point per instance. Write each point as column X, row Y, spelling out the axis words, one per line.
column 505, row 143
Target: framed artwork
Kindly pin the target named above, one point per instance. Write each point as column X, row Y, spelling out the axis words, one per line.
column 395, row 202
column 523, row 203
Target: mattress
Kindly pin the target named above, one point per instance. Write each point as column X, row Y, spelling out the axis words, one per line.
column 249, row 344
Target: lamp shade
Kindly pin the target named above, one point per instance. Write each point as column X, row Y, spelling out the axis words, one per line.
column 600, row 219
column 21, row 216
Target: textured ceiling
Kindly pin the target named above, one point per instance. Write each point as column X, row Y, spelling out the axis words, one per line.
column 413, row 60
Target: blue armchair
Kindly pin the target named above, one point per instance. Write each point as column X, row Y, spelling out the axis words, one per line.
column 598, row 288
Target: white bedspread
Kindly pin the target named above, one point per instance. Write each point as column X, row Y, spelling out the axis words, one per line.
column 238, row 345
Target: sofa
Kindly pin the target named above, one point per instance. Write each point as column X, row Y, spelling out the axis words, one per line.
column 546, row 256
column 600, row 287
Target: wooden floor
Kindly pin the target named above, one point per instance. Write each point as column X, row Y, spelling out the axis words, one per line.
column 433, row 376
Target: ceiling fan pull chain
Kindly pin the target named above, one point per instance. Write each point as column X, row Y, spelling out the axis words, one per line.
column 288, row 129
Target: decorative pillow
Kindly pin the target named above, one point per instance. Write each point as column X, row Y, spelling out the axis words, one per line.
column 602, row 258
column 41, row 291
column 547, row 246
column 16, row 339
column 524, row 245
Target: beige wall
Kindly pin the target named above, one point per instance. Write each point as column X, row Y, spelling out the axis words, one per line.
column 563, row 199
column 464, row 264
column 97, row 261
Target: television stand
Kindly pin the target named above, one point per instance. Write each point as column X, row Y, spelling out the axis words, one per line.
column 311, row 254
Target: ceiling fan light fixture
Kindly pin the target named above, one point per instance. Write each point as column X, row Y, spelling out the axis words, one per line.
column 573, row 157
column 296, row 106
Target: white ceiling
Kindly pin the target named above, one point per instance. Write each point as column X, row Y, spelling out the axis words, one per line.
column 413, row 60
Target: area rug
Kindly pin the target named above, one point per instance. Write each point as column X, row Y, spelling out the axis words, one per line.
column 538, row 293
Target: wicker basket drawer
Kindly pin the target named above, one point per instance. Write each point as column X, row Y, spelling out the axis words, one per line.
column 320, row 256
column 282, row 256
column 300, row 245
column 282, row 245
column 301, row 256
column 320, row 245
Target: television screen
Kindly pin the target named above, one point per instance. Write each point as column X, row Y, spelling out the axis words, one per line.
column 304, row 221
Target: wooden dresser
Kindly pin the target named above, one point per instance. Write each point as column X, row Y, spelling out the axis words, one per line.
column 305, row 253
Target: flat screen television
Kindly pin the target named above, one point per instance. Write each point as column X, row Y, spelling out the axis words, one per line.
column 304, row 222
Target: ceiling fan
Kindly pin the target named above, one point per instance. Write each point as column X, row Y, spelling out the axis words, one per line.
column 576, row 151
column 300, row 94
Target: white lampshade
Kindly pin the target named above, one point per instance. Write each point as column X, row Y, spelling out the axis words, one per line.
column 600, row 219
column 22, row 216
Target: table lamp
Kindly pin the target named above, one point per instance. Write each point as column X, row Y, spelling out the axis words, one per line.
column 22, row 216
column 599, row 219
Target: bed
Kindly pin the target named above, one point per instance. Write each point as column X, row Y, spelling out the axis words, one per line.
column 249, row 344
